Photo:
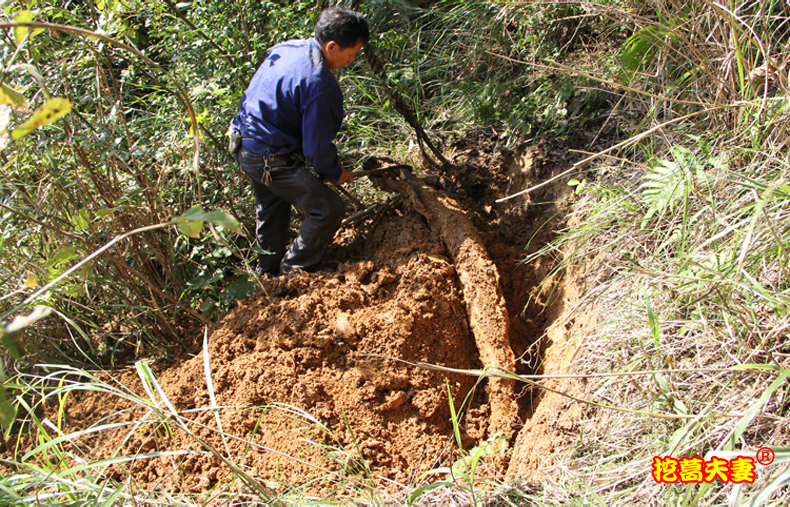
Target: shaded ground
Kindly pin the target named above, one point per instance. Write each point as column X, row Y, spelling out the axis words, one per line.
column 305, row 373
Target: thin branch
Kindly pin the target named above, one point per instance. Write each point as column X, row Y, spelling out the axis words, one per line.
column 559, row 66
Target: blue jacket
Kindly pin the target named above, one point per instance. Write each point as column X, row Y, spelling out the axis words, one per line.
column 293, row 103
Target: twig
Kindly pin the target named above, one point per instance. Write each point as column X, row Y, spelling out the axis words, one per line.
column 84, row 261
column 613, row 84
column 124, row 266
column 174, row 10
column 400, row 105
column 359, row 174
column 243, row 259
column 353, row 199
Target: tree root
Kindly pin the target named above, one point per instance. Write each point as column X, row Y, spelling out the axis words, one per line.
column 485, row 304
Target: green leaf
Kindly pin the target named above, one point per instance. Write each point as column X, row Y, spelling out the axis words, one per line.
column 62, row 255
column 12, row 342
column 189, row 228
column 208, row 306
column 104, row 212
column 49, row 112
column 11, row 333
column 660, row 189
column 425, row 489
column 216, row 217
column 662, row 382
column 7, row 411
column 194, row 213
column 11, row 97
column 82, row 220
column 651, row 316
column 74, row 290
column 29, row 68
column 641, row 47
column 239, row 289
column 752, row 412
column 454, row 417
column 20, row 32
column 763, row 496
column 632, row 58
column 468, row 464
column 224, row 219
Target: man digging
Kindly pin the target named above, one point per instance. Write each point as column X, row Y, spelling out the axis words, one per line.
column 288, row 116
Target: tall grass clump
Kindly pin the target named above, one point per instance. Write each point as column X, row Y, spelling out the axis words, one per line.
column 102, row 207
column 681, row 237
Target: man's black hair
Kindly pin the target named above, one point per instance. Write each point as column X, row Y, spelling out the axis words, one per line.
column 342, row 25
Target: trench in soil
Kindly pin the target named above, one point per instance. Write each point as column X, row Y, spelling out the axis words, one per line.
column 313, row 377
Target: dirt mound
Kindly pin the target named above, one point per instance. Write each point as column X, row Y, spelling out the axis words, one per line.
column 308, row 346
column 311, row 377
column 302, row 372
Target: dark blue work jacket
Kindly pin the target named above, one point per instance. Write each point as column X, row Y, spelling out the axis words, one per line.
column 293, row 103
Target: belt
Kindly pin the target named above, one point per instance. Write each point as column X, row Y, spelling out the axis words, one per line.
column 279, row 163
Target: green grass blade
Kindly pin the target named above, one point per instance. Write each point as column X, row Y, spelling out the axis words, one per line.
column 454, row 416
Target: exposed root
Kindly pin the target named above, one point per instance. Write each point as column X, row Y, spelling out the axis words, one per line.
column 485, row 303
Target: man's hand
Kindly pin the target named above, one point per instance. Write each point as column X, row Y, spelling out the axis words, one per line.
column 345, row 177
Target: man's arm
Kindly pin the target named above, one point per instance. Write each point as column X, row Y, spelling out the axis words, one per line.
column 321, row 120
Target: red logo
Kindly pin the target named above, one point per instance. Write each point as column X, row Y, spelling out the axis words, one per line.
column 765, row 456
column 694, row 469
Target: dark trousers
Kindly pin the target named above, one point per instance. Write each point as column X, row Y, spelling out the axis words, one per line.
column 298, row 187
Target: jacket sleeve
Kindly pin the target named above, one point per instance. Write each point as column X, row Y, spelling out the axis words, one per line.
column 321, row 120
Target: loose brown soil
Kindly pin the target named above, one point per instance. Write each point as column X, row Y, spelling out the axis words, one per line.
column 316, row 378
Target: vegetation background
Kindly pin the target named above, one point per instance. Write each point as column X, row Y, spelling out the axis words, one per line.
column 125, row 224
